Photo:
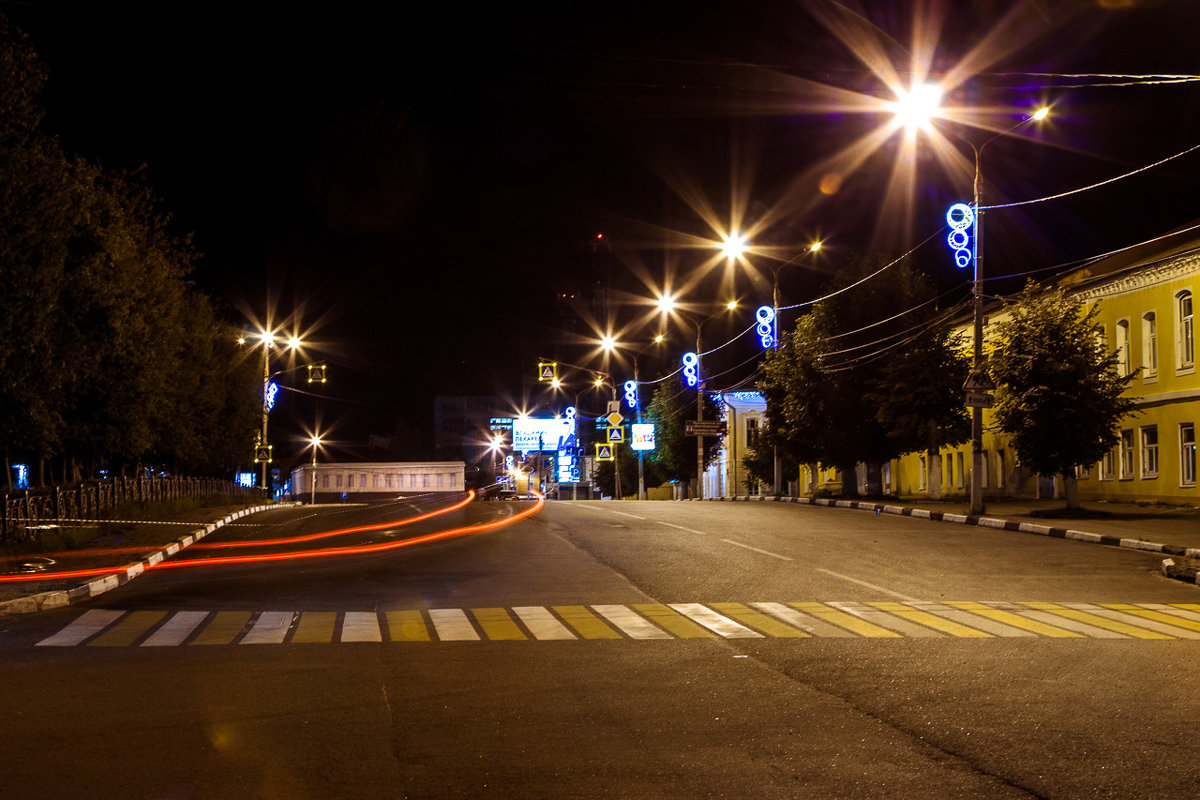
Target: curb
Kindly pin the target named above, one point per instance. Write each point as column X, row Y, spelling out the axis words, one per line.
column 121, row 575
column 1169, row 568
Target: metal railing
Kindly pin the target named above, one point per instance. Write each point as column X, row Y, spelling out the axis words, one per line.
column 23, row 513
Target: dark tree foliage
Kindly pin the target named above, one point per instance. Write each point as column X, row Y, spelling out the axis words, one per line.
column 675, row 452
column 110, row 357
column 1061, row 397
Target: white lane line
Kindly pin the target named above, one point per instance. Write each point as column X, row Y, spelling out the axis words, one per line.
column 91, row 623
column 606, row 510
column 633, row 625
column 270, row 628
column 452, row 625
column 680, row 527
column 869, row 585
column 176, row 629
column 361, row 626
column 541, row 623
column 717, row 623
column 757, row 550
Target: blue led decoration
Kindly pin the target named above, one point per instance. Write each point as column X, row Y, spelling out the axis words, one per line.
column 960, row 217
column 631, row 394
column 691, row 371
column 271, row 392
column 766, row 326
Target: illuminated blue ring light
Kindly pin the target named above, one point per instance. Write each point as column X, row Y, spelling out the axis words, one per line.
column 631, row 394
column 960, row 217
column 690, row 372
column 766, row 325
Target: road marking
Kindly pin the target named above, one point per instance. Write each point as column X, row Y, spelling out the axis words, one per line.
column 128, row 630
column 977, row 621
column 929, row 620
column 585, row 623
column 671, row 621
column 868, row 585
column 271, row 627
column 91, row 623
column 757, row 550
column 606, row 510
column 315, row 627
column 1042, row 613
column 452, row 625
column 498, row 625
column 758, row 620
column 224, row 628
column 407, row 626
column 897, row 624
column 721, row 625
column 542, row 624
column 175, row 630
column 680, row 527
column 1007, row 617
column 843, row 620
column 805, row 622
column 1145, row 619
column 632, row 625
column 361, row 626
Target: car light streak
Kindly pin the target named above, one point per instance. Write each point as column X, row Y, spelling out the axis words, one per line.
column 357, row 549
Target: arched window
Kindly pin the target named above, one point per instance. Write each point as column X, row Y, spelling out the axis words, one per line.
column 1122, row 347
column 1150, row 344
column 1185, row 343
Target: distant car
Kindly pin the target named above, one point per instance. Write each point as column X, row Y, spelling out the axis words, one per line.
column 507, row 494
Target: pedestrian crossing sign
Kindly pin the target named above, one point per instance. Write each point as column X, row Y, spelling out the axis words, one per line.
column 604, row 452
column 547, row 371
column 616, row 435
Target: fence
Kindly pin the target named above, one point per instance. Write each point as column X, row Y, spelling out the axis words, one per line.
column 22, row 514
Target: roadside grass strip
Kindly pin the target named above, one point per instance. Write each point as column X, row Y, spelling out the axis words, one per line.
column 638, row 621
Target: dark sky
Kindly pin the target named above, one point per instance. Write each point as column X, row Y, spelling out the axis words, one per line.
column 412, row 185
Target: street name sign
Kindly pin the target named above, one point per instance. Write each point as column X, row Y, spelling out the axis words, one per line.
column 703, row 427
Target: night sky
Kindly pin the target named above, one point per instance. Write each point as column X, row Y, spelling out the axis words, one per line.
column 411, row 189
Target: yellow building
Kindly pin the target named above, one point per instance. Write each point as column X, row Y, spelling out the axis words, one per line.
column 1146, row 300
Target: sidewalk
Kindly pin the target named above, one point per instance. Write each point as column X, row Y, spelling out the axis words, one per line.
column 121, row 551
column 1170, row 530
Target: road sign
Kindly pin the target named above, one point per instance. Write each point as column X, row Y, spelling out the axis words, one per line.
column 604, row 452
column 703, row 427
column 547, row 371
column 979, row 400
column 616, row 435
column 978, row 382
column 262, row 454
column 615, row 419
column 614, row 406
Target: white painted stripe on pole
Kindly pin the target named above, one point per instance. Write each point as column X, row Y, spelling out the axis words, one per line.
column 868, row 585
column 717, row 623
column 361, row 626
column 176, row 629
column 270, row 628
column 542, row 624
column 91, row 623
column 1135, row 621
column 757, row 550
column 803, row 621
column 630, row 623
column 452, row 625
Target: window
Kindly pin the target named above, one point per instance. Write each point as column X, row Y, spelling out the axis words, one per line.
column 387, row 479
column 362, row 481
column 1150, row 344
column 1108, row 466
column 440, row 480
column 961, row 471
column 424, row 481
column 752, row 431
column 376, row 481
column 1126, row 448
column 1187, row 454
column 1150, row 451
column 1184, row 341
column 453, row 481
column 339, row 480
column 325, row 481
column 923, row 477
column 1122, row 347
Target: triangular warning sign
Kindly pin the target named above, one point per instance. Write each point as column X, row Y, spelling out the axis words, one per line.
column 604, row 452
column 616, row 435
column 547, row 371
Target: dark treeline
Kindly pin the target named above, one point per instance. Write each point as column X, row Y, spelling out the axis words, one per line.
column 109, row 357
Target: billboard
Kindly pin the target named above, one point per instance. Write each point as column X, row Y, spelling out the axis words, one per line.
column 642, row 436
column 543, row 435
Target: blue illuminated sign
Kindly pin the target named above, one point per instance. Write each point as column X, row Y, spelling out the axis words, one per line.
column 766, row 326
column 960, row 217
column 631, row 394
column 272, row 391
column 691, row 369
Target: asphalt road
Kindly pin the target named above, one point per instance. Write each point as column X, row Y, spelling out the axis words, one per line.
column 624, row 650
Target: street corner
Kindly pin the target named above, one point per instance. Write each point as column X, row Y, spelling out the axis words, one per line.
column 1181, row 568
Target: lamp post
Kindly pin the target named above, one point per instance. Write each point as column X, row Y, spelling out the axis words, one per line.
column 977, row 368
column 267, row 339
column 609, row 344
column 315, row 441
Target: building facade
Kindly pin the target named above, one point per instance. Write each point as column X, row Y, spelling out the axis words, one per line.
column 353, row 482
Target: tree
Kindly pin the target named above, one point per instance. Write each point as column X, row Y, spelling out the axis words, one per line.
column 1060, row 395
column 674, row 454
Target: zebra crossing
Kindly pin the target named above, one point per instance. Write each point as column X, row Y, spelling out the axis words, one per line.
column 637, row 621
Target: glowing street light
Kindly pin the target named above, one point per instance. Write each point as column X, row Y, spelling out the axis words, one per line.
column 734, row 245
column 315, row 441
column 916, row 107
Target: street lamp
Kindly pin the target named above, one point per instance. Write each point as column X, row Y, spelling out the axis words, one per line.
column 977, row 369
column 667, row 305
column 268, row 340
column 315, row 441
column 609, row 344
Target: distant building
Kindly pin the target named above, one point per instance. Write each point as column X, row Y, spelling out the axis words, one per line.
column 336, row 482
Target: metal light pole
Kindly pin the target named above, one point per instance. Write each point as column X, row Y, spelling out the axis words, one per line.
column 316, row 440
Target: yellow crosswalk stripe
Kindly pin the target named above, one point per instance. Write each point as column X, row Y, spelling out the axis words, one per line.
column 497, row 624
column 844, row 620
column 128, row 630
column 1009, row 618
column 1098, row 621
column 315, row 627
column 929, row 620
column 224, row 628
column 585, row 623
column 758, row 621
column 407, row 626
column 671, row 621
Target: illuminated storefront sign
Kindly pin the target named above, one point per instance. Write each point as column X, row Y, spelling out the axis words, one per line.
column 643, row 436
